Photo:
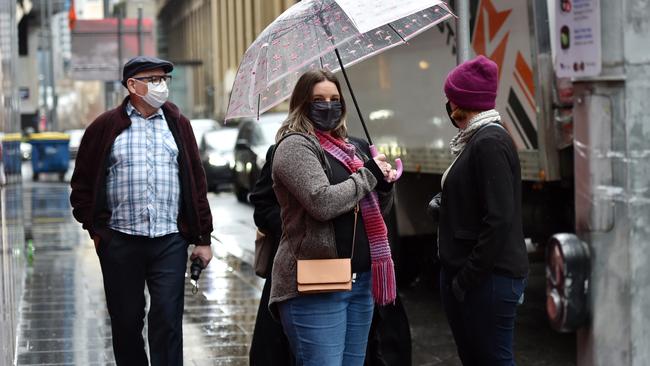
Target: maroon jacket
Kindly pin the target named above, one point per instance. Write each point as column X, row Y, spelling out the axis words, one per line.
column 88, row 197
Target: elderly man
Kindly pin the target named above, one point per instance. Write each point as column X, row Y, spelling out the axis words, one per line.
column 139, row 189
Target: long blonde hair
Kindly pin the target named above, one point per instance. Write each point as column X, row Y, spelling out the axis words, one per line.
column 298, row 119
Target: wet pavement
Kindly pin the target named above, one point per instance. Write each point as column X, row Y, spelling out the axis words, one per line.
column 64, row 319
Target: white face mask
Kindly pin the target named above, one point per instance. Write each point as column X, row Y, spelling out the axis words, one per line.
column 156, row 95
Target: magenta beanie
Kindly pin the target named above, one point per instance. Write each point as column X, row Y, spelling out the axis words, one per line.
column 473, row 84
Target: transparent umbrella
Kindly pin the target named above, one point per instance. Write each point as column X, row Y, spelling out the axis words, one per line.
column 328, row 34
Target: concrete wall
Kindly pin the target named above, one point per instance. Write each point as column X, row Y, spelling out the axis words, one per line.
column 613, row 110
column 212, row 35
column 637, row 107
column 12, row 247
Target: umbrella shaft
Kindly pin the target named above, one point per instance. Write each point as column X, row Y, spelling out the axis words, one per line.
column 354, row 98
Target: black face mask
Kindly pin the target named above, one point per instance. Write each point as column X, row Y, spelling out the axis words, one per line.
column 325, row 115
column 449, row 113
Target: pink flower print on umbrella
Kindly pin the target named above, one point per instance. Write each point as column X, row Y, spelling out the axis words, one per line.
column 330, row 34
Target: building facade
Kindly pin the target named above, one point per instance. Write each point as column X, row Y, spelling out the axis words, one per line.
column 206, row 40
column 12, row 244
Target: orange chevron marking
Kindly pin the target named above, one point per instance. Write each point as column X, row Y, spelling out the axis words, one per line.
column 494, row 19
column 500, row 52
column 521, row 85
column 526, row 73
column 497, row 18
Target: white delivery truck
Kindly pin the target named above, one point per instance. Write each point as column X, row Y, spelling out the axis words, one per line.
column 400, row 93
column 583, row 145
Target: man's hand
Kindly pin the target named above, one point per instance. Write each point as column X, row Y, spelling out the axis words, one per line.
column 204, row 252
column 459, row 293
column 96, row 240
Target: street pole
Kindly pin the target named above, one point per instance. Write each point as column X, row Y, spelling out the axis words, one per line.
column 52, row 121
column 462, row 31
column 42, row 67
column 108, row 85
column 140, row 34
column 120, row 30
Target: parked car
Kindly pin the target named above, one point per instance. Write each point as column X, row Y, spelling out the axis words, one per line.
column 75, row 141
column 253, row 140
column 217, row 155
column 201, row 126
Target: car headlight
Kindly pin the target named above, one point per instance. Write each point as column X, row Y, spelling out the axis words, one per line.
column 260, row 155
column 25, row 150
column 217, row 159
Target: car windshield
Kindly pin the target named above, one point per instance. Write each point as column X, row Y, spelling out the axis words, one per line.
column 268, row 127
column 201, row 126
column 268, row 132
column 221, row 140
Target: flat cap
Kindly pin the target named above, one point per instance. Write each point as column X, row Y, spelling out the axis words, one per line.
column 142, row 63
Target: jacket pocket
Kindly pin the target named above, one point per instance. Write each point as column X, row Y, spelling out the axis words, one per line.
column 105, row 237
column 466, row 234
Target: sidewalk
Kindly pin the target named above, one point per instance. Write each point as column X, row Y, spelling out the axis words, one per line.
column 64, row 319
column 63, row 311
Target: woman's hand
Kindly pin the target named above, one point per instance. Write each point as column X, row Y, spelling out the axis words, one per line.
column 390, row 174
column 380, row 159
column 382, row 164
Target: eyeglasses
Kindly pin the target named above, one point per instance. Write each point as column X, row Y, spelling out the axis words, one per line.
column 155, row 79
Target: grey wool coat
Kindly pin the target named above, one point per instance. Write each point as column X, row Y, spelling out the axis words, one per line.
column 308, row 203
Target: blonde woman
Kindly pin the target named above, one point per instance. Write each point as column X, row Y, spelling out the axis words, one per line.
column 320, row 176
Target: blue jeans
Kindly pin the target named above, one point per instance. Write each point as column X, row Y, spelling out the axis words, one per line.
column 330, row 329
column 483, row 324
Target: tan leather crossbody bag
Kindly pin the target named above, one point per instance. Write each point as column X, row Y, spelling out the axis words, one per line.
column 327, row 275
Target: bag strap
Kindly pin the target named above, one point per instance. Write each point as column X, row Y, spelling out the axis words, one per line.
column 327, row 169
column 354, row 230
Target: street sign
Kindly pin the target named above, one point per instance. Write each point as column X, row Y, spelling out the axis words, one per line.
column 24, row 93
column 577, row 35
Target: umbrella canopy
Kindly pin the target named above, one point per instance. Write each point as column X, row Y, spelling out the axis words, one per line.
column 306, row 36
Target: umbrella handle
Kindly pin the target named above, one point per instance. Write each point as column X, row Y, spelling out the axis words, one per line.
column 399, row 167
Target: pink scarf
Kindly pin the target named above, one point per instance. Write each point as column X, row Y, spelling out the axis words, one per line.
column 384, row 289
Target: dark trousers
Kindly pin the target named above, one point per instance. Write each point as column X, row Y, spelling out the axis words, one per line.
column 483, row 324
column 389, row 341
column 128, row 262
column 270, row 346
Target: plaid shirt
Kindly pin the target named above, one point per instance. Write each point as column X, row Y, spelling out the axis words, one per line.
column 142, row 187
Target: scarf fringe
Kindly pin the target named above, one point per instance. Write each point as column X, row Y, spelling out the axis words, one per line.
column 384, row 290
